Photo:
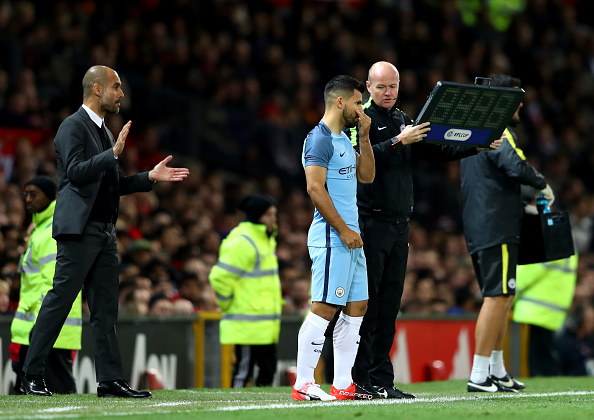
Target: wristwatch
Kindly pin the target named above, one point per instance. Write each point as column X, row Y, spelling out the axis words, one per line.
column 397, row 145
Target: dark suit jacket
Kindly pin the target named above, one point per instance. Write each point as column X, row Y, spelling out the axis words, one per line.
column 81, row 166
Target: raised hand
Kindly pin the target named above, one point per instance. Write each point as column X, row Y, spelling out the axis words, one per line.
column 364, row 124
column 118, row 148
column 163, row 173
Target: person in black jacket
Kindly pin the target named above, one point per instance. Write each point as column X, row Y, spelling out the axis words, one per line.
column 492, row 216
column 385, row 207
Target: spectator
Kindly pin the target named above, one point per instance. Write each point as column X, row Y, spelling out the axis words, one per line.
column 183, row 307
column 5, row 298
column 189, row 288
column 161, row 305
column 297, row 301
column 575, row 354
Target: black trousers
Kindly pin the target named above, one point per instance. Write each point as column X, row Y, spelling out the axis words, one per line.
column 88, row 260
column 246, row 357
column 58, row 371
column 386, row 251
column 543, row 359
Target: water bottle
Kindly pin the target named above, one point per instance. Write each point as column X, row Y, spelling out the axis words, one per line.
column 542, row 204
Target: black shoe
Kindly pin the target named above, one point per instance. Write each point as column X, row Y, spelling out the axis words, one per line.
column 120, row 388
column 487, row 386
column 34, row 385
column 392, row 392
column 508, row 381
column 366, row 392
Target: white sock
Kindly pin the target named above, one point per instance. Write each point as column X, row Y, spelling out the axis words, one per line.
column 309, row 347
column 346, row 343
column 496, row 364
column 480, row 369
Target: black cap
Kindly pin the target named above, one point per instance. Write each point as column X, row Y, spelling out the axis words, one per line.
column 46, row 184
column 255, row 206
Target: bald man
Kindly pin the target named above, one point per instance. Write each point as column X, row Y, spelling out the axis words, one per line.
column 385, row 207
column 89, row 190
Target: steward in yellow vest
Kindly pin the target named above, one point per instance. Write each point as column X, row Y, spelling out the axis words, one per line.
column 246, row 282
column 37, row 268
column 544, row 293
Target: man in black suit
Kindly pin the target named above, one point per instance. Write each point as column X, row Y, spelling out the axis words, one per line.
column 89, row 189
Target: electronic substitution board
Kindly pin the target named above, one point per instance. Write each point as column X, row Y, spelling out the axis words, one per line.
column 468, row 115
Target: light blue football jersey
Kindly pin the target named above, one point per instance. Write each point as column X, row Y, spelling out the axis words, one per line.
column 335, row 152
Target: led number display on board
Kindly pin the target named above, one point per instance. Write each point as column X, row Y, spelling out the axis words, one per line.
column 468, row 115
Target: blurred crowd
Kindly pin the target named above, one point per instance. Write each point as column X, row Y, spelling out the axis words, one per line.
column 231, row 88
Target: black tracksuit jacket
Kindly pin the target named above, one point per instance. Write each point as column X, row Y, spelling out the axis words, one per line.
column 491, row 198
column 390, row 197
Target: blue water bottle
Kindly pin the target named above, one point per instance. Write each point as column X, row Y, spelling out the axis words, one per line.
column 542, row 204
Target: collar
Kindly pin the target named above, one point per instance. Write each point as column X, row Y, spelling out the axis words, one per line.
column 378, row 108
column 325, row 129
column 96, row 118
column 39, row 218
column 261, row 228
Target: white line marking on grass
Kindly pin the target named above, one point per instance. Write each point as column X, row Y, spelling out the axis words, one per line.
column 172, row 403
column 306, row 404
column 203, row 391
column 60, row 409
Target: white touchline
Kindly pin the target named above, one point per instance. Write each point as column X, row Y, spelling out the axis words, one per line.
column 59, row 409
column 397, row 401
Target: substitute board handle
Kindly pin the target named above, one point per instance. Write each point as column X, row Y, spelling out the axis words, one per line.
column 476, row 79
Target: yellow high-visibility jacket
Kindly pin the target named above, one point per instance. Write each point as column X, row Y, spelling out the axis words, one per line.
column 37, row 267
column 544, row 292
column 246, row 282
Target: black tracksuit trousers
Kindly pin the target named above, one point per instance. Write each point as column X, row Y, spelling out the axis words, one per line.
column 386, row 251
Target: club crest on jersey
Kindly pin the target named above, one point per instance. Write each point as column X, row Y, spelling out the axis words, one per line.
column 511, row 283
column 339, row 292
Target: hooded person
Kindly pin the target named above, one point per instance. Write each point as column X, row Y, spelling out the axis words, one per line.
column 248, row 291
column 255, row 206
column 37, row 267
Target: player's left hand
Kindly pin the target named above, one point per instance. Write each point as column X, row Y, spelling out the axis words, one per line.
column 162, row 173
column 364, row 124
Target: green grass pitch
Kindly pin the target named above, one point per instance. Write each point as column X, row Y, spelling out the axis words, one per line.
column 544, row 398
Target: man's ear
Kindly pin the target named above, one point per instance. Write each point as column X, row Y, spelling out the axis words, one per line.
column 340, row 102
column 97, row 89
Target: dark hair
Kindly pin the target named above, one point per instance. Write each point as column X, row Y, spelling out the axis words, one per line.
column 255, row 206
column 505, row 80
column 342, row 86
column 155, row 298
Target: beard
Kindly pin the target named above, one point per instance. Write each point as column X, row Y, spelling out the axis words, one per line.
column 110, row 107
column 350, row 119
